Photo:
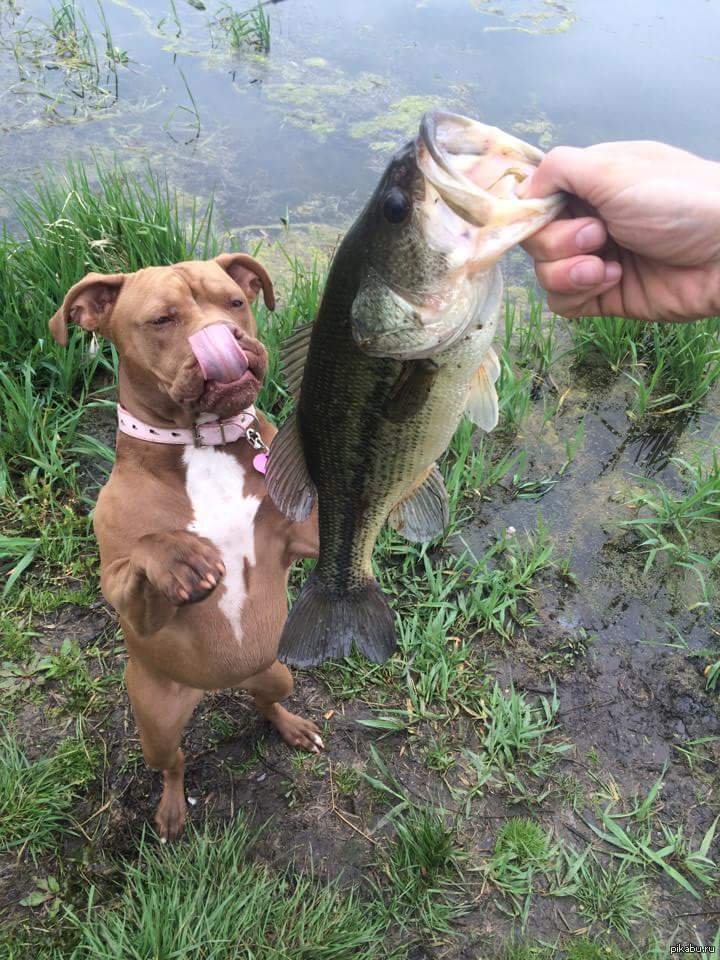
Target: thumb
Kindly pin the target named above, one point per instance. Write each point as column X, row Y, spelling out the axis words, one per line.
column 563, row 168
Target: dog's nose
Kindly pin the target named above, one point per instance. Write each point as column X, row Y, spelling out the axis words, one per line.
column 218, row 353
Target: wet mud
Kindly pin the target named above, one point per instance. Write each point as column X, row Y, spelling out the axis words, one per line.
column 621, row 648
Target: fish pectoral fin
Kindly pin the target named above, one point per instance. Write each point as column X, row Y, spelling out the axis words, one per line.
column 424, row 513
column 411, row 390
column 482, row 403
column 293, row 354
column 287, row 479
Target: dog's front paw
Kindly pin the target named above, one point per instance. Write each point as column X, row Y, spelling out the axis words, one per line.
column 183, row 567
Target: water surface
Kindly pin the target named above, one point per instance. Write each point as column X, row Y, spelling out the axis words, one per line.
column 301, row 133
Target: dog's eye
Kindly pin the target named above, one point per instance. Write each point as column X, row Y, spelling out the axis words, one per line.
column 237, row 303
column 161, row 321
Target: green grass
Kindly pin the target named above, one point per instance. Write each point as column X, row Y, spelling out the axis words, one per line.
column 420, row 868
column 442, row 605
column 67, row 228
column 534, row 341
column 584, row 949
column 681, row 527
column 522, row 850
column 36, row 796
column 472, row 743
column 246, row 28
column 611, row 894
column 672, row 366
column 688, row 863
column 63, row 65
column 206, row 899
column 612, row 339
column 523, row 841
column 516, row 729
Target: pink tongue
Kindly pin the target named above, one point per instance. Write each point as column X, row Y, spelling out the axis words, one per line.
column 218, row 353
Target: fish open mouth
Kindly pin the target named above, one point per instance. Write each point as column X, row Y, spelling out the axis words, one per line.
column 466, row 214
column 476, row 169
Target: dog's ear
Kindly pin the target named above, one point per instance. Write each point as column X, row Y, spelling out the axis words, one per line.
column 90, row 303
column 248, row 274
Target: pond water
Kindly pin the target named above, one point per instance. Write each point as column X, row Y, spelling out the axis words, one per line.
column 299, row 134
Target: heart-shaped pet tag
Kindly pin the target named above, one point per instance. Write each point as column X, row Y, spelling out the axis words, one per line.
column 260, row 462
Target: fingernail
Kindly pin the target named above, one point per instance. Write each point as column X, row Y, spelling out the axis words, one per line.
column 588, row 273
column 613, row 272
column 590, row 237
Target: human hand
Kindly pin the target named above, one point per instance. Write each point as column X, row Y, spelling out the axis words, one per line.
column 641, row 236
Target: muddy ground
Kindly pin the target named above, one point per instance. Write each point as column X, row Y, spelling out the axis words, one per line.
column 624, row 649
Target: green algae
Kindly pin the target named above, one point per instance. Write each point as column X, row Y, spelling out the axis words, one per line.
column 546, row 17
column 319, row 95
column 398, row 122
column 539, row 127
column 312, row 242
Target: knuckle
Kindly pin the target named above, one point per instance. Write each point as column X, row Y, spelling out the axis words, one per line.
column 558, row 157
column 542, row 274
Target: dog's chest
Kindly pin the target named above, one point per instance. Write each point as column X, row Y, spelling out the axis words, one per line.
column 221, row 513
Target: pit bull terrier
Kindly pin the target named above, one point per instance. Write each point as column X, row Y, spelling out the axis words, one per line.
column 193, row 554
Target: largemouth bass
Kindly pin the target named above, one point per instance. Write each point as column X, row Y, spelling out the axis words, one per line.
column 399, row 351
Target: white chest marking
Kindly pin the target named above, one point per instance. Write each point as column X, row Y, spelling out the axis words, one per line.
column 214, row 484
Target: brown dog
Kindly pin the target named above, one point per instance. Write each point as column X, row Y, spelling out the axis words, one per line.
column 193, row 554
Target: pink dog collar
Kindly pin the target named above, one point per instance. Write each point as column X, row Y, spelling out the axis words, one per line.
column 214, row 433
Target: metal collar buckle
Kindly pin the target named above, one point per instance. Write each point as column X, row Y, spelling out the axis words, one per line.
column 198, row 437
column 255, row 440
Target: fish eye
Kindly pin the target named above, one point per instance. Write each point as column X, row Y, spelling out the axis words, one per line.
column 396, row 206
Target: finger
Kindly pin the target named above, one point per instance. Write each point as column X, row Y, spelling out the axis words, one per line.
column 605, row 300
column 572, row 169
column 577, row 274
column 566, row 238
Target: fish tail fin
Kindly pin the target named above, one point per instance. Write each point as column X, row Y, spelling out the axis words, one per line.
column 323, row 624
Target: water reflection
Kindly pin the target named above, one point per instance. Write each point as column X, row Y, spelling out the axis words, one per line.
column 303, row 130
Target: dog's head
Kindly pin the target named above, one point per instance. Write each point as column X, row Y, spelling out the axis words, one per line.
column 150, row 316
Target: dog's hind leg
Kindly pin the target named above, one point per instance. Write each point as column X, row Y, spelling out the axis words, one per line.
column 269, row 687
column 162, row 709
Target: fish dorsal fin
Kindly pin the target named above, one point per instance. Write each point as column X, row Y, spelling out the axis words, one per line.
column 287, row 479
column 293, row 353
column 482, row 403
column 423, row 514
